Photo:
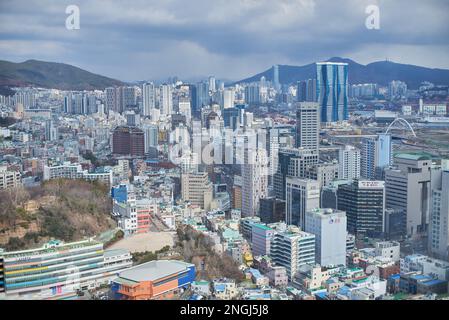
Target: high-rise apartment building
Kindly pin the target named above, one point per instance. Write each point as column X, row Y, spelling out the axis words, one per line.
column 148, row 98
column 376, row 155
column 151, row 136
column 255, row 180
column 349, row 162
column 166, row 98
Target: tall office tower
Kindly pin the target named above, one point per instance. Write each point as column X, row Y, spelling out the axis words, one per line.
column 228, row 98
column 148, row 98
column 301, row 91
column 202, row 95
column 212, row 84
column 311, row 91
column 376, row 155
column 292, row 249
column 332, row 91
column 255, row 180
column 128, row 95
column 197, row 189
column 185, row 109
column 252, row 93
column 128, row 141
column 329, row 228
column 349, row 163
column 408, row 189
column 110, row 99
column 231, row 118
column 308, row 126
column 364, row 204
column 151, row 137
column 276, row 83
column 166, row 99
column 292, row 162
column 302, row 195
column 68, row 102
column 193, row 99
column 438, row 241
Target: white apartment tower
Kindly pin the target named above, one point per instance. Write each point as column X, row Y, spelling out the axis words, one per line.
column 148, row 98
column 255, row 180
column 166, row 99
column 349, row 163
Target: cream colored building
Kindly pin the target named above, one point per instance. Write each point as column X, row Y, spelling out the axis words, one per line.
column 197, row 189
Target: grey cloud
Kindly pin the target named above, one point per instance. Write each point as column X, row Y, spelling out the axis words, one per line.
column 139, row 39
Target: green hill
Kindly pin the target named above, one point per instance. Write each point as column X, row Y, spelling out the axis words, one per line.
column 51, row 75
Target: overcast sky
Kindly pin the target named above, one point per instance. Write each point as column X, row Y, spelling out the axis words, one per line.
column 231, row 39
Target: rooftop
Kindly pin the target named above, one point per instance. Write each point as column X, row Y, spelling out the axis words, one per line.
column 414, row 156
column 154, row 270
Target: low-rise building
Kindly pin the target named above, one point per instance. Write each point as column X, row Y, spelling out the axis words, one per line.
column 159, row 279
column 58, row 269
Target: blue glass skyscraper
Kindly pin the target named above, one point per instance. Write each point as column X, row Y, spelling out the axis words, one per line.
column 332, row 90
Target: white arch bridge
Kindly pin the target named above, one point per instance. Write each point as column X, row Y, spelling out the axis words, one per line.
column 403, row 121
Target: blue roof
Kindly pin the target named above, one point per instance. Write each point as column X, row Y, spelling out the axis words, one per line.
column 433, row 282
column 321, row 294
column 395, row 276
column 420, row 277
column 220, row 287
column 343, row 290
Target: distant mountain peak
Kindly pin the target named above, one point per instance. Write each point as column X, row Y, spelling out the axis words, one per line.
column 339, row 59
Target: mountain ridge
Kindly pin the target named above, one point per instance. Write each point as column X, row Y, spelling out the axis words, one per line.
column 51, row 75
column 381, row 72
